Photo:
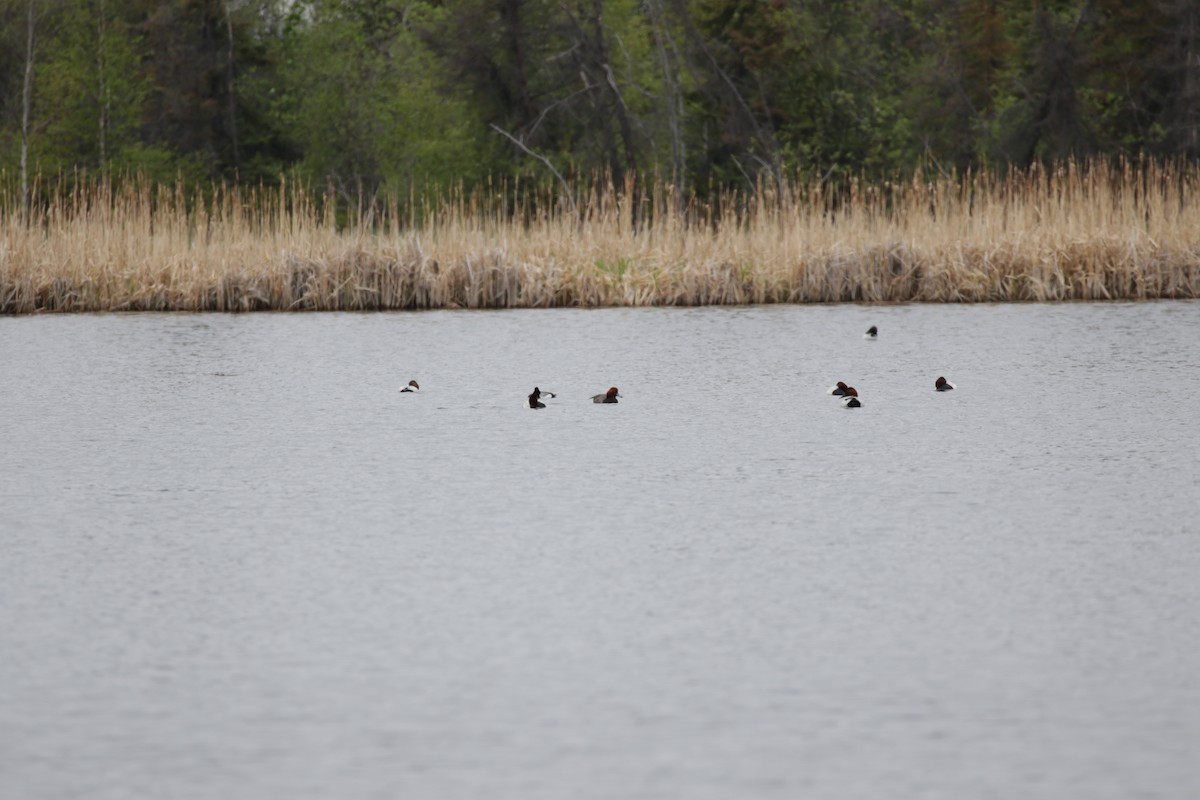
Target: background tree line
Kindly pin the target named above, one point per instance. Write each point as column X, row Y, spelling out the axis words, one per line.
column 401, row 94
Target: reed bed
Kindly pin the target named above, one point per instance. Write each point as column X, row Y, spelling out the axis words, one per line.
column 1073, row 232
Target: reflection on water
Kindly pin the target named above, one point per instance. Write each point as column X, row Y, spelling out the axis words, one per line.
column 237, row 562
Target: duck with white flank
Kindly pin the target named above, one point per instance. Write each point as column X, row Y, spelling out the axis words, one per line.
column 534, row 398
column 608, row 397
column 413, row 386
column 942, row 385
column 850, row 400
column 872, row 333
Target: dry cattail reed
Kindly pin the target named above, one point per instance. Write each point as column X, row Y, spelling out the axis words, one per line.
column 1070, row 232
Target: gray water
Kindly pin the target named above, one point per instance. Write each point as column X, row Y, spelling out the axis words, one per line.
column 237, row 563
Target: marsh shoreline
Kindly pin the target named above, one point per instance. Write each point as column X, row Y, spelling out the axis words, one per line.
column 1098, row 232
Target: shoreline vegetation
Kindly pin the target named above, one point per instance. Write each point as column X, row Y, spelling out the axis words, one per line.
column 1095, row 231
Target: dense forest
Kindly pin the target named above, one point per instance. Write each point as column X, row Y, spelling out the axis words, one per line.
column 363, row 95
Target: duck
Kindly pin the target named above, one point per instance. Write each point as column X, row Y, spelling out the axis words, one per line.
column 608, row 397
column 838, row 389
column 851, row 399
column 872, row 333
column 534, row 401
column 942, row 385
column 413, row 386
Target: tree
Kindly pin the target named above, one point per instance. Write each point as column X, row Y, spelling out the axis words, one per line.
column 1145, row 84
column 199, row 55
column 27, row 102
column 960, row 52
column 1045, row 115
column 362, row 101
column 92, row 92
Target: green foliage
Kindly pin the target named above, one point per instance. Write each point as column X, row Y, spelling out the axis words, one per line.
column 616, row 268
column 360, row 103
column 90, row 93
column 408, row 95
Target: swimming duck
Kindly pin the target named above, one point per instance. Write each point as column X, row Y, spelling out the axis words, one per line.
column 534, row 402
column 608, row 397
column 851, row 399
column 872, row 333
column 413, row 386
column 839, row 389
column 942, row 385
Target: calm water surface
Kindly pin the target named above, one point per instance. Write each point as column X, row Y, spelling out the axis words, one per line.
column 235, row 562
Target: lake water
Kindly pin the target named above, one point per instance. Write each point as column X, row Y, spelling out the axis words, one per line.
column 237, row 563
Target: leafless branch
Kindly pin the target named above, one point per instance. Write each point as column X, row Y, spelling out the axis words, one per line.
column 545, row 161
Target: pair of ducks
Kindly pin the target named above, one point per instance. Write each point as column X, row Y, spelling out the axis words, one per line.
column 850, row 399
column 534, row 400
column 848, row 394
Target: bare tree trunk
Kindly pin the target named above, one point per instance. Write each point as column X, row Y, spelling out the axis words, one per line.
column 231, row 89
column 102, row 71
column 1190, row 95
column 669, row 63
column 623, row 124
column 511, row 23
column 26, row 104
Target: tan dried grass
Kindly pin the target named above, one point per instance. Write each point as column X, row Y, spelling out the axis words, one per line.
column 1090, row 232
